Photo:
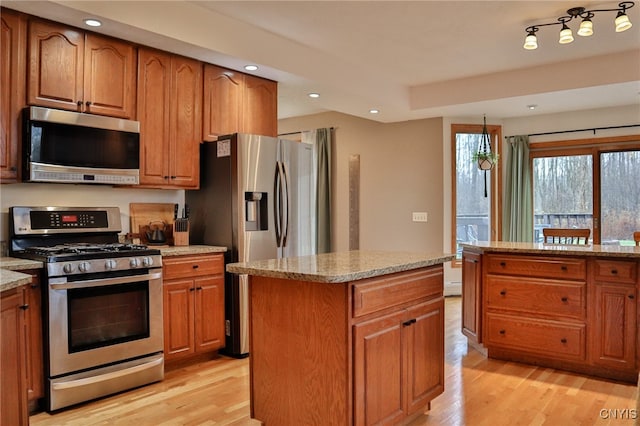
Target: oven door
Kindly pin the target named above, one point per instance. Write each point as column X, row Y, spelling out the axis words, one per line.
column 95, row 322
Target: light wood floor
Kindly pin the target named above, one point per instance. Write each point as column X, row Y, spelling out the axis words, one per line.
column 478, row 391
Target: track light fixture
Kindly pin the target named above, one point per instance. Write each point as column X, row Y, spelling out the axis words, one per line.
column 621, row 22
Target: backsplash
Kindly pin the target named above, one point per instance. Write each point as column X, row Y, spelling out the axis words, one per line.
column 49, row 194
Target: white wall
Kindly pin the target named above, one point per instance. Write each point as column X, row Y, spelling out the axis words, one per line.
column 51, row 194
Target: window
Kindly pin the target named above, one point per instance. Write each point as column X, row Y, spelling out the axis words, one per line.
column 474, row 216
column 588, row 184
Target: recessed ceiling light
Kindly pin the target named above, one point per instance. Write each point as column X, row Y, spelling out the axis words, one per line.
column 374, row 111
column 251, row 67
column 532, row 106
column 92, row 22
column 314, row 95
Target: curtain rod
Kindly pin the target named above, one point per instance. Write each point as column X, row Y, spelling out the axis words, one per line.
column 295, row 133
column 579, row 130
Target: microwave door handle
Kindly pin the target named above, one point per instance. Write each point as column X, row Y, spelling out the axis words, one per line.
column 105, row 281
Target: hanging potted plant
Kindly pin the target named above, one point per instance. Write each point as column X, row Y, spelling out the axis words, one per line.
column 485, row 160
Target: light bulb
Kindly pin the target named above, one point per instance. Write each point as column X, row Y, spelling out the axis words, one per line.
column 622, row 22
column 586, row 28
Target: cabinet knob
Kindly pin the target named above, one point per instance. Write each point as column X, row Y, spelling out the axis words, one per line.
column 13, row 168
column 173, row 177
column 631, row 296
column 563, row 340
column 503, row 331
column 563, row 267
column 165, row 177
column 503, row 264
column 565, row 299
column 614, row 271
column 79, row 103
column 198, row 288
column 88, row 103
column 24, row 307
column 196, row 266
column 503, row 292
column 192, row 289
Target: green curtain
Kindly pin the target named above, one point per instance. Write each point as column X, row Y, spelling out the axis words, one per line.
column 517, row 219
column 323, row 194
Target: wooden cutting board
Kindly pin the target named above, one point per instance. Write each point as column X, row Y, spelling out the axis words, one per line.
column 142, row 214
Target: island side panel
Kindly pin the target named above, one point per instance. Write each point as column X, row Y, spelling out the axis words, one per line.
column 299, row 352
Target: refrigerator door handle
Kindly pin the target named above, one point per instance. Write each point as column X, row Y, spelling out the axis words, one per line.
column 276, row 204
column 285, row 219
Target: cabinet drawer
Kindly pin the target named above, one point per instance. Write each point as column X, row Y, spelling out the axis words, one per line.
column 535, row 295
column 375, row 294
column 532, row 266
column 192, row 266
column 552, row 339
column 619, row 271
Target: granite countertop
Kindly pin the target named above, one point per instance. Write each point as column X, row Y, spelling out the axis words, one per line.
column 561, row 249
column 341, row 266
column 9, row 275
column 190, row 250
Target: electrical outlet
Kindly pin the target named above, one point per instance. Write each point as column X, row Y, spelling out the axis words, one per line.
column 420, row 216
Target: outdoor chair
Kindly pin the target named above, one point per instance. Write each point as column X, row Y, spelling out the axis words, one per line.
column 566, row 235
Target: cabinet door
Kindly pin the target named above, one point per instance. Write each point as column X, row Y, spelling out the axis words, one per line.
column 424, row 352
column 109, row 77
column 222, row 102
column 178, row 315
column 260, row 106
column 33, row 338
column 377, row 369
column 472, row 296
column 56, row 55
column 13, row 404
column 209, row 313
column 186, row 122
column 154, row 76
column 13, row 48
column 615, row 327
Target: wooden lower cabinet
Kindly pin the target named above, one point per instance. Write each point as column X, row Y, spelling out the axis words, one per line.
column 382, row 367
column 567, row 312
column 472, row 296
column 32, row 294
column 193, row 302
column 13, row 404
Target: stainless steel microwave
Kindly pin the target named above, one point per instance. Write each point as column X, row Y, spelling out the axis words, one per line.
column 71, row 147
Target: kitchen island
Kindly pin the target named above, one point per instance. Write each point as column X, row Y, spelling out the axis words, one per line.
column 571, row 307
column 345, row 338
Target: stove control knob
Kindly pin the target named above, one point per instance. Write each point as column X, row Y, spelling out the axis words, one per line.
column 110, row 264
column 135, row 262
column 68, row 268
column 84, row 267
column 147, row 261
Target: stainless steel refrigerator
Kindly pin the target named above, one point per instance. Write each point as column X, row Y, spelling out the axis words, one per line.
column 257, row 197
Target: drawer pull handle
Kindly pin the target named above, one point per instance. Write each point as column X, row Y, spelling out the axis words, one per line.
column 565, row 299
column 631, row 296
column 502, row 331
column 198, row 288
column 563, row 267
column 503, row 264
column 409, row 322
column 614, row 271
column 192, row 289
column 195, row 266
column 24, row 307
column 563, row 340
column 503, row 293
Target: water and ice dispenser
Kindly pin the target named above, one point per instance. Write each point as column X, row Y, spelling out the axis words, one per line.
column 256, row 211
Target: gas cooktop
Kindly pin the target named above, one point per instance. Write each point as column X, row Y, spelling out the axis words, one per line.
column 79, row 251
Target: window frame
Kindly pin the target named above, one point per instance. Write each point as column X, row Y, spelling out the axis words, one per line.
column 587, row 146
column 495, row 217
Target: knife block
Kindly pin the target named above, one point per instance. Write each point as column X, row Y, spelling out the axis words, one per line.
column 181, row 232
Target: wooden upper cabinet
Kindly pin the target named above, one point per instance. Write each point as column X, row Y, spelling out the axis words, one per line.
column 260, row 106
column 222, row 101
column 71, row 70
column 109, row 77
column 170, row 115
column 237, row 102
column 13, row 48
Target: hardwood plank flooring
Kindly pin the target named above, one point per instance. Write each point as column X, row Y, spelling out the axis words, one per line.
column 478, row 391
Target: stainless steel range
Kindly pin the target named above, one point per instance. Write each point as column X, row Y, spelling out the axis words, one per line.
column 102, row 302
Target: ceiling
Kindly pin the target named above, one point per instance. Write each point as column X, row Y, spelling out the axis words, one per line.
column 408, row 59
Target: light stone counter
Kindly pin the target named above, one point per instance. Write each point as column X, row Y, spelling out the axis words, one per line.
column 555, row 249
column 190, row 250
column 339, row 267
column 9, row 278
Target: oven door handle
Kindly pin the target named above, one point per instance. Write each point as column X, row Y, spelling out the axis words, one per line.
column 106, row 281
